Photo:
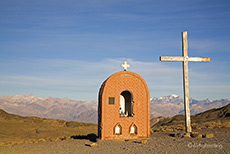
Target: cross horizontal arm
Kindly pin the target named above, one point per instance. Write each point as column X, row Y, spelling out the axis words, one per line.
column 194, row 59
column 167, row 58
column 199, row 59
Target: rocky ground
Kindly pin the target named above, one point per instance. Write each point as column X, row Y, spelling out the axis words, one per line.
column 159, row 142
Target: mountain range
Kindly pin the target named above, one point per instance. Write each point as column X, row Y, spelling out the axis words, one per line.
column 49, row 107
column 172, row 105
column 86, row 111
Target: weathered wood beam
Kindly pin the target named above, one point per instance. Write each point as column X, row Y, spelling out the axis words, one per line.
column 168, row 58
column 199, row 59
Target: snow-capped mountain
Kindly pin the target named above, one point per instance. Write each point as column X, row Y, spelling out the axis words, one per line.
column 173, row 105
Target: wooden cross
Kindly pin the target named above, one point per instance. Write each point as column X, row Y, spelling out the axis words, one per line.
column 125, row 65
column 185, row 59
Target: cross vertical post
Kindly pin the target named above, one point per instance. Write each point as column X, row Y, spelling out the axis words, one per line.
column 185, row 59
column 188, row 128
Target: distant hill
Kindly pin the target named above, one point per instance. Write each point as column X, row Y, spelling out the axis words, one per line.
column 16, row 129
column 49, row 107
column 86, row 111
column 219, row 117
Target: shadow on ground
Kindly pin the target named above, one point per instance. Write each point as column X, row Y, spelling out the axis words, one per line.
column 90, row 137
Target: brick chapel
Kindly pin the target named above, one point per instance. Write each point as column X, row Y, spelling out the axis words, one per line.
column 124, row 107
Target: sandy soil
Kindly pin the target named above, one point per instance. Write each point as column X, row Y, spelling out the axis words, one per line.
column 160, row 142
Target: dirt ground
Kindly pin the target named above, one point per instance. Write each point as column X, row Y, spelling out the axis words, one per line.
column 160, row 142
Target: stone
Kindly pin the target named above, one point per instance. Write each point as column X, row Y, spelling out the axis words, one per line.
column 63, row 138
column 151, row 131
column 196, row 135
column 172, row 135
column 143, row 142
column 93, row 144
column 186, row 135
column 168, row 129
column 177, row 135
column 208, row 135
column 41, row 140
column 27, row 142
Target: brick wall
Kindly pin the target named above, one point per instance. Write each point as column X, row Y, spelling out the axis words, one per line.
column 109, row 114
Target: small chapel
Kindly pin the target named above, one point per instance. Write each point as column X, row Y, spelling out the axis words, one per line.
column 124, row 107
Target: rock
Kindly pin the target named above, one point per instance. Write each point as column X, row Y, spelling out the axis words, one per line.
column 156, row 130
column 41, row 140
column 226, row 124
column 62, row 138
column 92, row 144
column 143, row 142
column 179, row 128
column 27, row 142
column 177, row 135
column 186, row 135
column 196, row 135
column 168, row 129
column 162, row 129
column 208, row 135
column 172, row 134
column 210, row 127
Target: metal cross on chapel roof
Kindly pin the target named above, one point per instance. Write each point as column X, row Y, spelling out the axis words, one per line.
column 125, row 66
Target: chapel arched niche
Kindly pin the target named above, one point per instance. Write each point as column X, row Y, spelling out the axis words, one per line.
column 117, row 130
column 126, row 104
column 133, row 129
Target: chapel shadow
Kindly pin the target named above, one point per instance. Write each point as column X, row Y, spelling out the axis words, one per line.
column 91, row 137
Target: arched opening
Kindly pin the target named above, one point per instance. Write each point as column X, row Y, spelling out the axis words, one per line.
column 133, row 129
column 118, row 129
column 126, row 104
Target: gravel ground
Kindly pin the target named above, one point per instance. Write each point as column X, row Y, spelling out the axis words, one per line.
column 160, row 142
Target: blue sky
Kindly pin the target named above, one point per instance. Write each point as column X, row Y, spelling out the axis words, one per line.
column 68, row 48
